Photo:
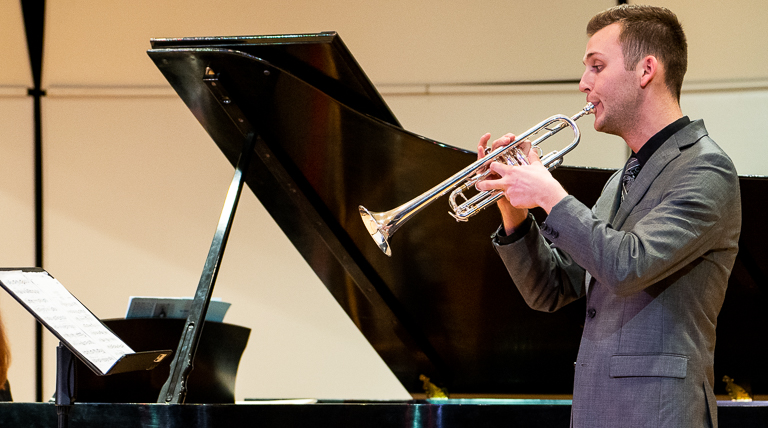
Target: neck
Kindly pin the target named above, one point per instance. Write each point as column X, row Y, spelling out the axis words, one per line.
column 651, row 119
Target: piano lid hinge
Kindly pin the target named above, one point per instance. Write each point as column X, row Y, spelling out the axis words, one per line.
column 211, row 80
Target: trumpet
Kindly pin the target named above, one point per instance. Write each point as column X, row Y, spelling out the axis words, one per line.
column 382, row 225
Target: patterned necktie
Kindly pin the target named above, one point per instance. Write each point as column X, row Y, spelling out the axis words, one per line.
column 630, row 172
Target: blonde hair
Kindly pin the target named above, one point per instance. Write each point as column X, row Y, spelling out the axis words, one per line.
column 5, row 356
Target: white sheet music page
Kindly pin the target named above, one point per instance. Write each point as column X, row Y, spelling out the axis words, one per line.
column 63, row 313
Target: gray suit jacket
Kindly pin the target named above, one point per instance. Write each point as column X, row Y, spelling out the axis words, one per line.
column 654, row 270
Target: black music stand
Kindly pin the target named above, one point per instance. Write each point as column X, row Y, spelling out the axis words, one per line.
column 79, row 331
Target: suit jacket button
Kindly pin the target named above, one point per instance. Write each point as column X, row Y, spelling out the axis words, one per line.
column 591, row 313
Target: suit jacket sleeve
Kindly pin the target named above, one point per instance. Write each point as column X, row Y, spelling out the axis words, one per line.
column 674, row 216
column 663, row 233
column 547, row 278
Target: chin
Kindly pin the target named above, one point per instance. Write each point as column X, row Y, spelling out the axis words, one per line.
column 598, row 125
column 606, row 128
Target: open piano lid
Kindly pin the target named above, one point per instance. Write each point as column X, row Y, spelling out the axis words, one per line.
column 442, row 305
column 322, row 60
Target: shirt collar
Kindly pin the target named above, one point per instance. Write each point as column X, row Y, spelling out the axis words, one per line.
column 650, row 147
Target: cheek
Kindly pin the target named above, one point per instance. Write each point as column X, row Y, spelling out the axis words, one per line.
column 597, row 86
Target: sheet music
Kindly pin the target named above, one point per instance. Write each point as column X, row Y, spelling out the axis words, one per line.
column 55, row 306
column 172, row 307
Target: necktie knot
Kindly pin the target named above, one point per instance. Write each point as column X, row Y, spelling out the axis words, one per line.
column 630, row 172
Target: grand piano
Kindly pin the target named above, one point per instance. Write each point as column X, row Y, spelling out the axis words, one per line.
column 441, row 307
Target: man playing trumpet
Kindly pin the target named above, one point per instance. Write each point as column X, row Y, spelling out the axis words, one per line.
column 653, row 256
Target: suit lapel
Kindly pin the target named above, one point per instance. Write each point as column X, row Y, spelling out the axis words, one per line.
column 644, row 179
column 655, row 165
column 612, row 204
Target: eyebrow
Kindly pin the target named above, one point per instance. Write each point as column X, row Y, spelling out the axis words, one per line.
column 588, row 56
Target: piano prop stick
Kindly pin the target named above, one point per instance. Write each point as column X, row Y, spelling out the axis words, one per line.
column 80, row 332
column 174, row 391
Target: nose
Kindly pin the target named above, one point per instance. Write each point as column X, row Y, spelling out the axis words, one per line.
column 585, row 84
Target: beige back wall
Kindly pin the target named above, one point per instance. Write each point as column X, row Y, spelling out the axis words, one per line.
column 102, row 43
column 133, row 185
column 17, row 228
column 17, row 216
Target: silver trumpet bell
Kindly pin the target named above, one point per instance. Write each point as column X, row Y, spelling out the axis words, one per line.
column 382, row 225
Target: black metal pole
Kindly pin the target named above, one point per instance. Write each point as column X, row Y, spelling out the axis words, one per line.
column 66, row 377
column 38, row 239
column 34, row 25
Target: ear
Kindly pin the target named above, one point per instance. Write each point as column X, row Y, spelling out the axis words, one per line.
column 648, row 67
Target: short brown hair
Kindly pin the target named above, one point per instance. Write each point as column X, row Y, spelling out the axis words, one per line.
column 648, row 30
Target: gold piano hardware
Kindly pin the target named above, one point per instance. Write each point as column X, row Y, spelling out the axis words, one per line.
column 433, row 391
column 736, row 392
